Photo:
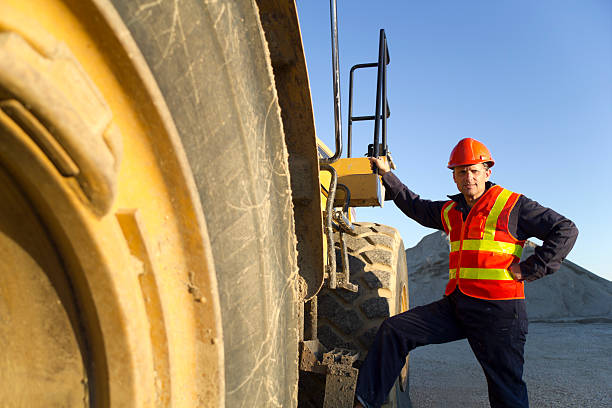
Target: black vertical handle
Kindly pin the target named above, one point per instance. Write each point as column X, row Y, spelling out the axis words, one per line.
column 381, row 62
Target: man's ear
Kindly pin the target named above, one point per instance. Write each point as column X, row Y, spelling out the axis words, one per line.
column 454, row 179
column 488, row 174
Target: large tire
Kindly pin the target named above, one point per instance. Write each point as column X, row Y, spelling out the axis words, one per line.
column 144, row 322
column 217, row 80
column 377, row 262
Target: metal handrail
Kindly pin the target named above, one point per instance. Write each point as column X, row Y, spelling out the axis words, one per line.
column 329, row 232
column 381, row 99
column 336, row 80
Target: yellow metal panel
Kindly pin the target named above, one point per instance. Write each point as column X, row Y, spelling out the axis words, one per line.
column 324, row 147
column 353, row 165
column 325, row 180
column 366, row 187
column 366, row 190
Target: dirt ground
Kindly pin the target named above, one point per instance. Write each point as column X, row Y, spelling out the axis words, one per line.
column 567, row 365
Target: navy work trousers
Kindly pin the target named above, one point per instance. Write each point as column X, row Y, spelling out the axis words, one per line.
column 495, row 330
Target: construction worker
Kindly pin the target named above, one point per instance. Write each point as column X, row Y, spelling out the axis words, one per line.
column 484, row 300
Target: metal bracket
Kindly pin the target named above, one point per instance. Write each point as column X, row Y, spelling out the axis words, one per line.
column 337, row 366
column 341, row 378
column 343, row 279
column 344, row 225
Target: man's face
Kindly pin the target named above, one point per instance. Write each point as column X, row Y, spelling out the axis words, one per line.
column 471, row 180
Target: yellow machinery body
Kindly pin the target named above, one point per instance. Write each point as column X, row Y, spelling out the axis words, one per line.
column 366, row 187
column 161, row 205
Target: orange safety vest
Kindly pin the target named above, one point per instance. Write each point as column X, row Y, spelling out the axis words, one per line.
column 482, row 248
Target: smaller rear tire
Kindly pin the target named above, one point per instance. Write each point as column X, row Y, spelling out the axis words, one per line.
column 377, row 263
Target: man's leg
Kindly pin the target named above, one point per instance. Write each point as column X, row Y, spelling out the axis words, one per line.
column 430, row 324
column 497, row 332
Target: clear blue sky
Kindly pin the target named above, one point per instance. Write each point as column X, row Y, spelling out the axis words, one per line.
column 530, row 79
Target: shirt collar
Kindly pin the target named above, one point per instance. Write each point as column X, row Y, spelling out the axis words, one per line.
column 460, row 199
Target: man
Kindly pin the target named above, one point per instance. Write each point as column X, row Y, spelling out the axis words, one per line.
column 484, row 299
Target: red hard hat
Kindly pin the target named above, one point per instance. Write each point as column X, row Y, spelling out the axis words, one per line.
column 469, row 151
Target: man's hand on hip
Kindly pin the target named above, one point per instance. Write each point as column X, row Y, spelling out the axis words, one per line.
column 515, row 270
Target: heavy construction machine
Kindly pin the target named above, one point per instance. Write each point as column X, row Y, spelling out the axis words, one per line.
column 172, row 234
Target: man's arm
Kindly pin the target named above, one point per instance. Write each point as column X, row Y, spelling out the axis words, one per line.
column 425, row 212
column 557, row 233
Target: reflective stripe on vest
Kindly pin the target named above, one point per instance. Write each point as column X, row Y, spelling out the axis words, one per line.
column 482, row 248
column 482, row 273
column 490, row 246
column 445, row 211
